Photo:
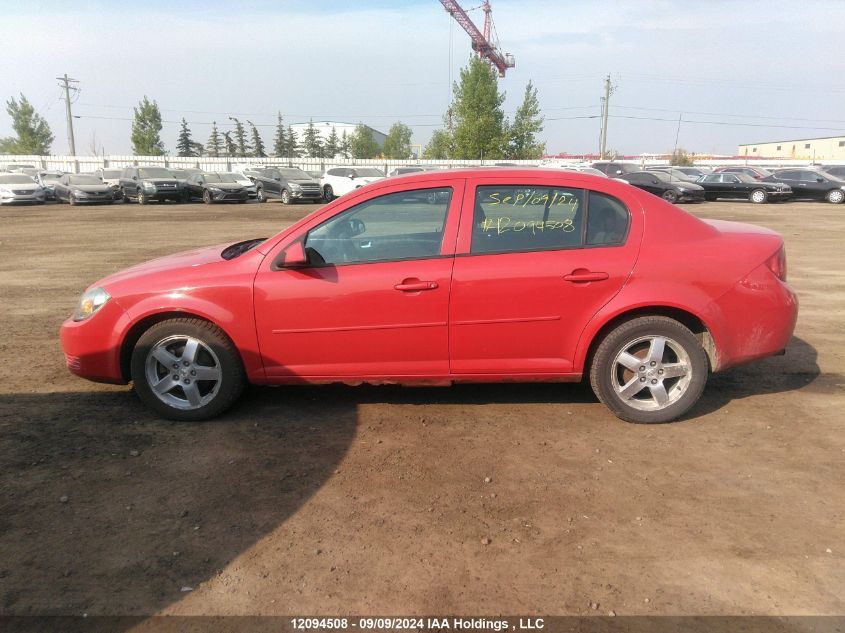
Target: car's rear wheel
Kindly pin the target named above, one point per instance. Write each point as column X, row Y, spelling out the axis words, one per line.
column 187, row 369
column 286, row 199
column 649, row 370
column 670, row 196
column 758, row 196
column 328, row 193
column 206, row 196
column 835, row 196
column 259, row 195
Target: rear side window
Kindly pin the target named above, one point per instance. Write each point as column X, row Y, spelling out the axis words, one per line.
column 607, row 220
column 511, row 218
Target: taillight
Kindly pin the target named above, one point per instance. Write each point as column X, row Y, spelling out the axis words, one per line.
column 777, row 263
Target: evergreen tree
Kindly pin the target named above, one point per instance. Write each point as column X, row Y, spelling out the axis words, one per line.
column 197, row 149
column 440, row 145
column 257, row 143
column 479, row 121
column 146, row 129
column 344, row 145
column 527, row 124
column 33, row 133
column 398, row 142
column 185, row 144
column 332, row 147
column 311, row 142
column 214, row 146
column 293, row 150
column 362, row 144
column 280, row 142
column 231, row 147
column 243, row 148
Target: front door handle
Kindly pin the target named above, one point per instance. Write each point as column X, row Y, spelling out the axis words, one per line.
column 412, row 285
column 582, row 275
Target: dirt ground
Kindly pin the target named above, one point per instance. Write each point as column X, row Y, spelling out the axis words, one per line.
column 374, row 500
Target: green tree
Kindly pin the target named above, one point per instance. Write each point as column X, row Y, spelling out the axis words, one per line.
column 440, row 145
column 681, row 158
column 214, row 146
column 479, row 121
column 362, row 144
column 243, row 148
column 146, row 129
column 527, row 124
column 293, row 144
column 231, row 146
column 280, row 142
column 332, row 147
column 344, row 145
column 398, row 142
column 185, row 144
column 257, row 144
column 197, row 148
column 312, row 144
column 33, row 132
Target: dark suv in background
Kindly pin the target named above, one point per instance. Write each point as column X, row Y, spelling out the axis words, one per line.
column 614, row 169
column 289, row 184
column 147, row 184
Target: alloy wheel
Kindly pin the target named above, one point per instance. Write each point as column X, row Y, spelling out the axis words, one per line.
column 651, row 373
column 183, row 372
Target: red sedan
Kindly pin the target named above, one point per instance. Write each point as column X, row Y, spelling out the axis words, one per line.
column 440, row 277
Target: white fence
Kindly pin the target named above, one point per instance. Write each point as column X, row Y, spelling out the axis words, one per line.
column 82, row 164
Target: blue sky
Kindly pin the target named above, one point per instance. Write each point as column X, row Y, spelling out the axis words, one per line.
column 734, row 71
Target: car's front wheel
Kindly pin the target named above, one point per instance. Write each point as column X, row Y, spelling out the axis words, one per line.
column 835, row 196
column 187, row 369
column 206, row 197
column 758, row 196
column 259, row 195
column 142, row 197
column 328, row 193
column 649, row 370
column 670, row 196
column 286, row 199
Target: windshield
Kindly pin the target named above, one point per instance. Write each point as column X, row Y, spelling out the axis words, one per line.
column 662, row 175
column 85, row 180
column 111, row 173
column 294, row 174
column 235, row 177
column 154, row 172
column 179, row 173
column 15, row 180
column 368, row 172
column 50, row 177
column 220, row 178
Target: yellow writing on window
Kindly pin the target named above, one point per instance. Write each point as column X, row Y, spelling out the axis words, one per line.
column 505, row 224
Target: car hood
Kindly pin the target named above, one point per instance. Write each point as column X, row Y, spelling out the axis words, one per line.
column 226, row 186
column 304, row 181
column 24, row 186
column 91, row 188
column 205, row 256
column 686, row 184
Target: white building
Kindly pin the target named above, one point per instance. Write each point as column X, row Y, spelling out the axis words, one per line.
column 324, row 129
column 826, row 148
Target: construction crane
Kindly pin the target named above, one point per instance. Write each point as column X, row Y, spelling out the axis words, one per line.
column 482, row 43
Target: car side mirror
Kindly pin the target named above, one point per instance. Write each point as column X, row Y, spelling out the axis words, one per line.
column 278, row 178
column 294, row 256
column 819, row 179
column 134, row 177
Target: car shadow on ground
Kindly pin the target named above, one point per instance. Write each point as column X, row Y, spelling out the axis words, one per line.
column 131, row 509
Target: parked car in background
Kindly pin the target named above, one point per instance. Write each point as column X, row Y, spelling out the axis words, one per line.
column 695, row 172
column 581, row 168
column 674, row 173
column 339, row 181
column 15, row 168
column 181, row 174
column 148, row 184
column 211, row 187
column 110, row 177
column 246, row 182
column 660, row 184
column 812, row 184
column 289, row 184
column 20, row 188
column 83, row 189
column 386, row 286
column 743, row 186
column 47, row 180
column 615, row 169
column 834, row 170
column 410, row 169
column 758, row 173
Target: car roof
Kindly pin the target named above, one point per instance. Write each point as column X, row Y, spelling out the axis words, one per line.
column 497, row 172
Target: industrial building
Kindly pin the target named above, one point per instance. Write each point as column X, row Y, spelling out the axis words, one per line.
column 814, row 149
column 324, row 129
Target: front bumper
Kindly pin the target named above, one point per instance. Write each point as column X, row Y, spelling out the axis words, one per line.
column 691, row 196
column 307, row 195
column 229, row 196
column 92, row 347
column 12, row 198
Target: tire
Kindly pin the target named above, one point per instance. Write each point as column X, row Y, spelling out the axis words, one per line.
column 616, row 372
column 259, row 195
column 328, row 193
column 835, row 196
column 758, row 196
column 285, row 196
column 142, row 197
column 158, row 357
column 670, row 196
column 206, row 197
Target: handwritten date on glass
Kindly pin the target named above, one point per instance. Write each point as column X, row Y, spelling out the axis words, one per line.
column 525, row 197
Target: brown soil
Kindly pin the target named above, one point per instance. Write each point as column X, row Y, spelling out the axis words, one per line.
column 373, row 500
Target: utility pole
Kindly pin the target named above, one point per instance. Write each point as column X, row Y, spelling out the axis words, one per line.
column 65, row 83
column 608, row 90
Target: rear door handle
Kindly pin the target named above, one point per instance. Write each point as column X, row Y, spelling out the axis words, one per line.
column 583, row 276
column 415, row 286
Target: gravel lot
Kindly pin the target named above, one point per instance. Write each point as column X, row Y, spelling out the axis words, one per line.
column 486, row 499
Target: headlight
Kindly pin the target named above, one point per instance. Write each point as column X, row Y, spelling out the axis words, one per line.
column 215, row 190
column 91, row 301
column 148, row 185
column 3, row 190
column 682, row 188
column 79, row 194
column 295, row 187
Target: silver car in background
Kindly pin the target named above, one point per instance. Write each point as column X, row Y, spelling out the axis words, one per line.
column 20, row 188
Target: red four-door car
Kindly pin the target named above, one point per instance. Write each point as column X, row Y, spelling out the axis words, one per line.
column 439, row 277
